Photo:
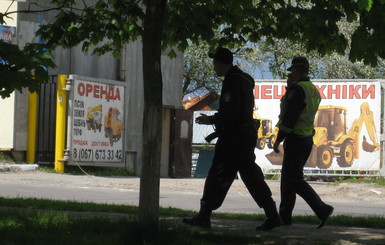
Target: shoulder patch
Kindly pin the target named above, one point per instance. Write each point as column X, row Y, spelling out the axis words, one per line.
column 227, row 97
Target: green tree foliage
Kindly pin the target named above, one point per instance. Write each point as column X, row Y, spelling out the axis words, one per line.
column 312, row 23
column 198, row 75
column 273, row 55
column 22, row 68
column 100, row 26
column 106, row 25
column 278, row 53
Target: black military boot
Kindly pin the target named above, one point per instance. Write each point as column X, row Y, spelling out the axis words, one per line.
column 202, row 219
column 273, row 220
column 328, row 212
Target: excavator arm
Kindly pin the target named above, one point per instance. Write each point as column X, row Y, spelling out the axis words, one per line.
column 355, row 131
column 371, row 128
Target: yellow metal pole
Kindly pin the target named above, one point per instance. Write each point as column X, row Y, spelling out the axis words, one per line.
column 31, row 133
column 61, row 104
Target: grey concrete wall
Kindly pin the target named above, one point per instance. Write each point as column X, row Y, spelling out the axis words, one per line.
column 128, row 69
column 172, row 76
column 68, row 61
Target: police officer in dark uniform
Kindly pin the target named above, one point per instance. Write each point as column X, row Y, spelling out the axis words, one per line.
column 234, row 150
column 299, row 106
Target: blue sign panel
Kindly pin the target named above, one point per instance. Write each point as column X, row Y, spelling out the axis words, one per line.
column 8, row 34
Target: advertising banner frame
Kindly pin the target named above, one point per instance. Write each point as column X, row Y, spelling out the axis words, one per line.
column 379, row 107
column 96, row 122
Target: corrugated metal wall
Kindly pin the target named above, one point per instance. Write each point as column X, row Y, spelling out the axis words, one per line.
column 128, row 70
column 172, row 75
column 45, row 145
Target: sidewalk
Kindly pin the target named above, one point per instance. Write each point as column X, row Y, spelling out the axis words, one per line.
column 304, row 233
column 297, row 234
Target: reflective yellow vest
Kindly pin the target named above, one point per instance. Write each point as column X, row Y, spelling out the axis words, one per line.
column 305, row 123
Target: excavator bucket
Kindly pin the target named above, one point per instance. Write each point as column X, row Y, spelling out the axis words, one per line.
column 276, row 158
column 366, row 146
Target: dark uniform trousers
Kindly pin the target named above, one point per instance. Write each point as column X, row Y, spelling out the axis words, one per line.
column 234, row 151
column 296, row 152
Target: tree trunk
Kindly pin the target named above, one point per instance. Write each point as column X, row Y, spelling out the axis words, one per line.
column 152, row 119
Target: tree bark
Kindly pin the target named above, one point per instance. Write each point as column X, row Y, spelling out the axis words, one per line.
column 152, row 119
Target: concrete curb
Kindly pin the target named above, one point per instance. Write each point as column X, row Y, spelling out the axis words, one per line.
column 18, row 167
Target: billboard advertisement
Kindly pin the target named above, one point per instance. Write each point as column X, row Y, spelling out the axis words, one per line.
column 347, row 125
column 8, row 34
column 97, row 121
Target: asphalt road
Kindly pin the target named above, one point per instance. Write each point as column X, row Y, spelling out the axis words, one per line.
column 174, row 193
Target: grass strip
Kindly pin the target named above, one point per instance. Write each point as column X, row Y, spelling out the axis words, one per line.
column 41, row 227
column 54, row 205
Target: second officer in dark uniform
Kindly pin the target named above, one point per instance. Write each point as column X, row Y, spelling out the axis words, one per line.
column 234, row 150
column 299, row 106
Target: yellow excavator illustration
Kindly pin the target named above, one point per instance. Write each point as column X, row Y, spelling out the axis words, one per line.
column 266, row 133
column 333, row 139
column 94, row 118
column 113, row 125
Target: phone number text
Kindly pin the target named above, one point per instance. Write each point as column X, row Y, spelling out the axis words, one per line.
column 81, row 154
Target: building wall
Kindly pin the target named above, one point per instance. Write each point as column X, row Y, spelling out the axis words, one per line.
column 7, row 110
column 68, row 61
column 172, row 75
column 10, row 6
column 13, row 110
column 128, row 69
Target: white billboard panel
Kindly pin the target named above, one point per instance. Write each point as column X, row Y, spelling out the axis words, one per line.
column 347, row 125
column 97, row 121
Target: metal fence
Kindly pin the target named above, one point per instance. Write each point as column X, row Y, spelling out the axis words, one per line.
column 308, row 173
column 45, row 145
